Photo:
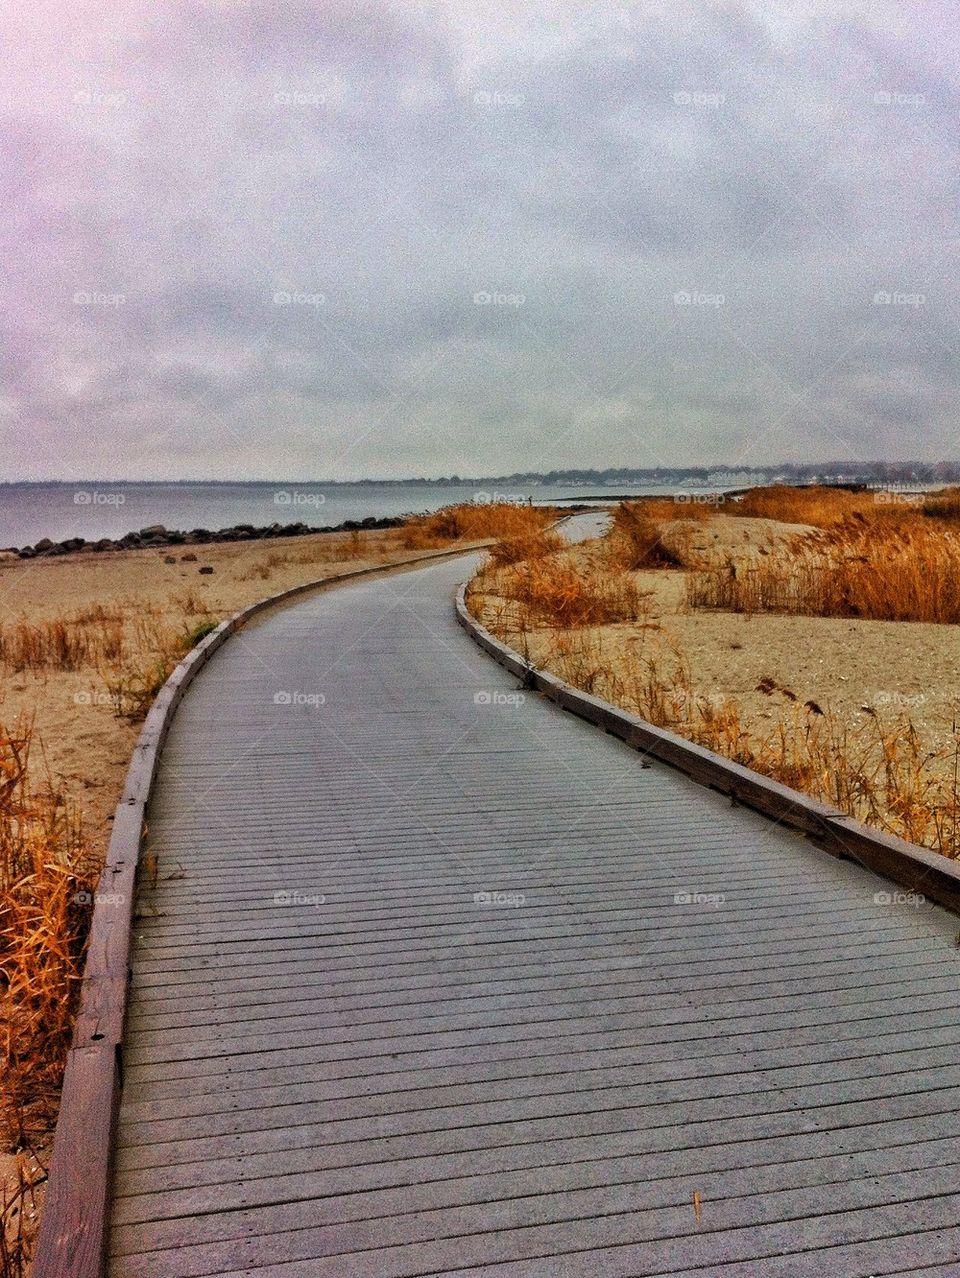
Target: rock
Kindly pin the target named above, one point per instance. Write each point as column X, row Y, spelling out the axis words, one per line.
column 188, row 559
column 206, row 570
column 155, row 536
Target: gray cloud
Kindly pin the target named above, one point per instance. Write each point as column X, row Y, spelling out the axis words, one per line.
column 582, row 237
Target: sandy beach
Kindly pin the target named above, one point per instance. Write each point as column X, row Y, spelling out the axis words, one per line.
column 854, row 668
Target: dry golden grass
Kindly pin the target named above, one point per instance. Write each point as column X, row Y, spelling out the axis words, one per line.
column 811, row 504
column 548, row 587
column 69, row 643
column 661, row 510
column 138, row 671
column 536, row 545
column 46, row 877
column 636, row 539
column 905, row 569
column 474, row 523
column 825, row 507
column 97, row 637
column 317, row 552
column 943, row 505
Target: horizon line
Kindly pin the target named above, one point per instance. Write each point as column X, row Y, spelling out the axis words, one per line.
column 461, row 480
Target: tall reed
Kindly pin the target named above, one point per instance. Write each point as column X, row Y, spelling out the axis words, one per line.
column 907, row 571
column 473, row 522
column 47, row 876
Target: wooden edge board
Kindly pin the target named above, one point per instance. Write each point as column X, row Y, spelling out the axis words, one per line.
column 916, row 869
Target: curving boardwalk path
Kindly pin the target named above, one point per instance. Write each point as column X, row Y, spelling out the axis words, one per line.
column 433, row 982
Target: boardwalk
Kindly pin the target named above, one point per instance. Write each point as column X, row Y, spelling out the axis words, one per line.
column 436, row 979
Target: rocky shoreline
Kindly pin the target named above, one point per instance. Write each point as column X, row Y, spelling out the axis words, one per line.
column 156, row 536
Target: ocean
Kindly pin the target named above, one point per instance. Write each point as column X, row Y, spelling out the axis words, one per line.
column 93, row 510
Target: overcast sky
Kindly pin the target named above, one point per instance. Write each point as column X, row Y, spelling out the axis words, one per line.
column 336, row 240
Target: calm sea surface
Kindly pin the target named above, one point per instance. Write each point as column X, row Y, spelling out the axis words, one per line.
column 31, row 511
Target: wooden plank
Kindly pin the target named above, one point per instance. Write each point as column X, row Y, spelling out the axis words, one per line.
column 227, row 1132
column 667, row 1182
column 623, row 1213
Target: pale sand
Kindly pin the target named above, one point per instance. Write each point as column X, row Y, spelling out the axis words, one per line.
column 908, row 670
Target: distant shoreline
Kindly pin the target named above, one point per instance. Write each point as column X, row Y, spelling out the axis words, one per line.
column 827, row 472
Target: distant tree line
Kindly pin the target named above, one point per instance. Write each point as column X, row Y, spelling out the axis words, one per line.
column 870, row 473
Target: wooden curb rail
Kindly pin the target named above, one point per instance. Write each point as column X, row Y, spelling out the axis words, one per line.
column 74, row 1227
column 915, row 869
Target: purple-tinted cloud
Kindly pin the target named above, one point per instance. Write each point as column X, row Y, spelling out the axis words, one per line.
column 338, row 240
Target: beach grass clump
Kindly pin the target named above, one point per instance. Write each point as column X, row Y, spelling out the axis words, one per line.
column 47, row 877
column 826, row 507
column 97, row 636
column 907, row 570
column 528, row 546
column 814, row 504
column 636, row 540
column 65, row 643
column 541, row 582
column 556, row 591
column 132, row 649
column 141, row 668
column 480, row 521
column 943, row 505
column 316, row 552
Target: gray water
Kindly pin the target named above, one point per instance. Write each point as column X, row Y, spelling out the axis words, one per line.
column 29, row 512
